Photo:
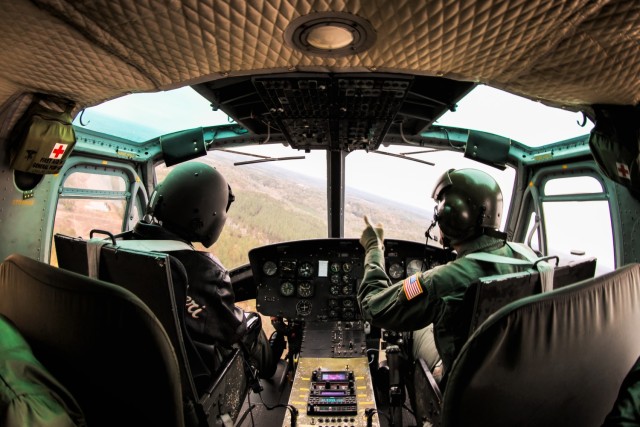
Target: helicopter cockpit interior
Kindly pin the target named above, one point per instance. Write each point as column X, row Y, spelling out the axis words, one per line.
column 320, row 114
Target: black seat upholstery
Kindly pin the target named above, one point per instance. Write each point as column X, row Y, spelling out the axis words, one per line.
column 551, row 359
column 210, row 388
column 483, row 298
column 99, row 340
column 488, row 294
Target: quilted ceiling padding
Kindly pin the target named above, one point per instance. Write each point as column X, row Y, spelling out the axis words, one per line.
column 568, row 53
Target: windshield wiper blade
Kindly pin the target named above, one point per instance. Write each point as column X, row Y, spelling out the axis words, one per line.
column 268, row 159
column 402, row 156
column 261, row 159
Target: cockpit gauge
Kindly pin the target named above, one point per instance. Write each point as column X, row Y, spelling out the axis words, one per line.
column 335, row 278
column 303, row 307
column 346, row 289
column 288, row 268
column 333, row 303
column 434, row 262
column 346, row 278
column 396, row 271
column 305, row 270
column 335, row 267
column 305, row 289
column 287, row 289
column 347, row 303
column 415, row 266
column 348, row 314
column 347, row 267
column 269, row 268
column 334, row 289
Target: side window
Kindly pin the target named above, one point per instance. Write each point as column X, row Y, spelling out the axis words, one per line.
column 577, row 220
column 90, row 200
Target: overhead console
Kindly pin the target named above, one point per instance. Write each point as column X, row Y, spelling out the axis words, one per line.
column 317, row 280
column 344, row 111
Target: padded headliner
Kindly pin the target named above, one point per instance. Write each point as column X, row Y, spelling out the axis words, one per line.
column 571, row 53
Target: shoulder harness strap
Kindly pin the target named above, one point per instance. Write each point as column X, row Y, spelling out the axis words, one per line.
column 532, row 261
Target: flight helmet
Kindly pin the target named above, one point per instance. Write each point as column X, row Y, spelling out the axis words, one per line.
column 469, row 202
column 192, row 202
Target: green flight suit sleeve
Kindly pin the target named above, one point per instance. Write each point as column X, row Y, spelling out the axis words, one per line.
column 385, row 304
column 29, row 395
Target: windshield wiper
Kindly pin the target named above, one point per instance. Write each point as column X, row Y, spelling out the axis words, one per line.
column 261, row 159
column 403, row 156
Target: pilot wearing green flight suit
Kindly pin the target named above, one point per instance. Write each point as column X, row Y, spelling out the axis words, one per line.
column 429, row 303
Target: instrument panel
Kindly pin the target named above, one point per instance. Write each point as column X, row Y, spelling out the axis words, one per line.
column 317, row 280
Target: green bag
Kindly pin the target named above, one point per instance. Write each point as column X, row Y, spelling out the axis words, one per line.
column 42, row 139
column 615, row 144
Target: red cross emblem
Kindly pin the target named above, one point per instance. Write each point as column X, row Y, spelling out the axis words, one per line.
column 58, row 151
column 623, row 170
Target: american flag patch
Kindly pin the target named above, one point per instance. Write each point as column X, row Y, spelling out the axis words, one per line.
column 412, row 287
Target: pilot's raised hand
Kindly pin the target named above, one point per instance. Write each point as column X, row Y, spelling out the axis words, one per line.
column 372, row 237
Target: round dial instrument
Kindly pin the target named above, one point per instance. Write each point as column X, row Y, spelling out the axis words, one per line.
column 305, row 289
column 415, row 266
column 346, row 289
column 334, row 289
column 305, row 269
column 269, row 268
column 287, row 289
column 335, row 278
column 395, row 271
column 303, row 307
column 347, row 267
column 334, row 267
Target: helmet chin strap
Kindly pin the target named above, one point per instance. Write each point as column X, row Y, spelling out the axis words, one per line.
column 427, row 233
column 434, row 222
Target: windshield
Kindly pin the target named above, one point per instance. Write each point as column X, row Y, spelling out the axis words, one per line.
column 531, row 123
column 287, row 199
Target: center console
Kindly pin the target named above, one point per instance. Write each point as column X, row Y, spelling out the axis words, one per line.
column 313, row 284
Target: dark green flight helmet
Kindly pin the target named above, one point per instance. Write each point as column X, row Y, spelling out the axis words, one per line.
column 469, row 203
column 192, row 202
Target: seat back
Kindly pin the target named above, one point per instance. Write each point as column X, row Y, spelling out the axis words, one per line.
column 488, row 294
column 99, row 340
column 160, row 280
column 481, row 299
column 556, row 358
column 149, row 276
